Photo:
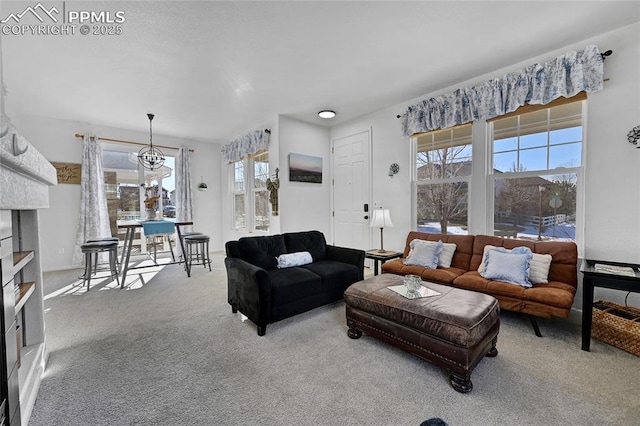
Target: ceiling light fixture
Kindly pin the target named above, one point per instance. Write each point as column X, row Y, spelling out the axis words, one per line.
column 150, row 157
column 326, row 114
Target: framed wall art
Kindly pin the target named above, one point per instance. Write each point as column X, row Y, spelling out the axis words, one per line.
column 305, row 168
column 68, row 172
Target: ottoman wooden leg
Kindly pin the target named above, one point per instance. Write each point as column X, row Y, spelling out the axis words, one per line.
column 354, row 333
column 460, row 383
column 493, row 351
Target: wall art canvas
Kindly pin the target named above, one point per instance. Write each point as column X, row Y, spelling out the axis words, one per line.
column 68, row 172
column 305, row 168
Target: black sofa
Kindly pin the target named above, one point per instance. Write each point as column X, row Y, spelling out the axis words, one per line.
column 266, row 294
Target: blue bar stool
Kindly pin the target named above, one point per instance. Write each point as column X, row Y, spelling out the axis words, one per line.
column 91, row 251
column 197, row 248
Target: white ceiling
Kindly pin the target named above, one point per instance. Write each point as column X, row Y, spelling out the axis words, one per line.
column 213, row 70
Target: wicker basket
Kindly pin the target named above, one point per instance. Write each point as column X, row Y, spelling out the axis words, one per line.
column 617, row 325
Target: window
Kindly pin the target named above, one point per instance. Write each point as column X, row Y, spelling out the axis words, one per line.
column 443, row 170
column 260, row 193
column 528, row 174
column 128, row 184
column 239, row 222
column 537, row 165
column 250, row 194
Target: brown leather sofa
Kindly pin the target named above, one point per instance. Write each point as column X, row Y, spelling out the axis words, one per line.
column 553, row 299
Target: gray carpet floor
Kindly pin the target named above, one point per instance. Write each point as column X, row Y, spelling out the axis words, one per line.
column 167, row 350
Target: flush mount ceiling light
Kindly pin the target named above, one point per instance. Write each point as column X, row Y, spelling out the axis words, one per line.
column 326, row 114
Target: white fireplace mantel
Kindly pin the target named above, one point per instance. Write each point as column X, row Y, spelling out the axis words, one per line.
column 25, row 174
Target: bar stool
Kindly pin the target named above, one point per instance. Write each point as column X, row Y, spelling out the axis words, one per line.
column 187, row 234
column 91, row 251
column 199, row 243
column 159, row 239
column 112, row 239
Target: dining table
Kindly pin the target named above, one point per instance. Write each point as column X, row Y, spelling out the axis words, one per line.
column 149, row 227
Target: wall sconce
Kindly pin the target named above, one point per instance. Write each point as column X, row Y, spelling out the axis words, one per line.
column 393, row 170
column 634, row 136
column 202, row 186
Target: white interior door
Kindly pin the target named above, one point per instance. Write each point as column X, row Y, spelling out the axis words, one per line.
column 351, row 191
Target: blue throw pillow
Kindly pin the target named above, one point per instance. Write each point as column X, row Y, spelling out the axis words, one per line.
column 424, row 253
column 511, row 267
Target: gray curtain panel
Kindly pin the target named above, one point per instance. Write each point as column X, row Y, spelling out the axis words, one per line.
column 184, row 206
column 94, row 215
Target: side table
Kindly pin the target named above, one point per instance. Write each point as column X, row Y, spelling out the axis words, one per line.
column 593, row 278
column 381, row 256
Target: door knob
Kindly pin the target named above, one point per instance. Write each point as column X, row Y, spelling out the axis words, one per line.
column 366, row 217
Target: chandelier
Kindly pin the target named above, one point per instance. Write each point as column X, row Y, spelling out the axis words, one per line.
column 150, row 157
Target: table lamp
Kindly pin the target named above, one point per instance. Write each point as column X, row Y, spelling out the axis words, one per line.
column 381, row 219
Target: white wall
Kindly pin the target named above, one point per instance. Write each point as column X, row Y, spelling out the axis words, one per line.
column 612, row 228
column 387, row 146
column 304, row 206
column 56, row 141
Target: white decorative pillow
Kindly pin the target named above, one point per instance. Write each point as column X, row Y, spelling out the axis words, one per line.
column 446, row 256
column 424, row 253
column 538, row 267
column 294, row 259
column 508, row 266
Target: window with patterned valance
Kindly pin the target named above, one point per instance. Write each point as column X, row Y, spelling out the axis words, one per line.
column 536, row 84
column 245, row 145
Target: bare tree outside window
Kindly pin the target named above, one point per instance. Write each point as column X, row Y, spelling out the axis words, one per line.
column 443, row 165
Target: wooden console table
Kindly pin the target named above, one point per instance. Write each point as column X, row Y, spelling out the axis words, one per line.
column 592, row 279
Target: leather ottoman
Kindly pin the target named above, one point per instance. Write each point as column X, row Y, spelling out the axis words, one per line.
column 453, row 330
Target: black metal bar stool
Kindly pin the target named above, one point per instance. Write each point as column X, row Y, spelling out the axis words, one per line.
column 197, row 248
column 91, row 251
column 112, row 239
column 187, row 234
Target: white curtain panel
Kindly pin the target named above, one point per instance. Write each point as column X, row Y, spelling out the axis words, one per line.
column 94, row 215
column 184, row 206
column 536, row 84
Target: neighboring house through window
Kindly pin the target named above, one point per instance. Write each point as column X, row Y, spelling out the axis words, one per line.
column 537, row 170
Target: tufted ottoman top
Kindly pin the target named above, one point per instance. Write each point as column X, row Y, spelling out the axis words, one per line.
column 457, row 316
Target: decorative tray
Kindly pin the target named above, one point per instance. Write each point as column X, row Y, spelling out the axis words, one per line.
column 421, row 292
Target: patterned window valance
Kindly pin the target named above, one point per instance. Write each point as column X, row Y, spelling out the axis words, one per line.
column 539, row 84
column 248, row 144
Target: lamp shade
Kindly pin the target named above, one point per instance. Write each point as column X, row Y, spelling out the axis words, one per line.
column 381, row 219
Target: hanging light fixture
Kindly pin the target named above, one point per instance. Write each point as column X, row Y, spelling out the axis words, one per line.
column 150, row 157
